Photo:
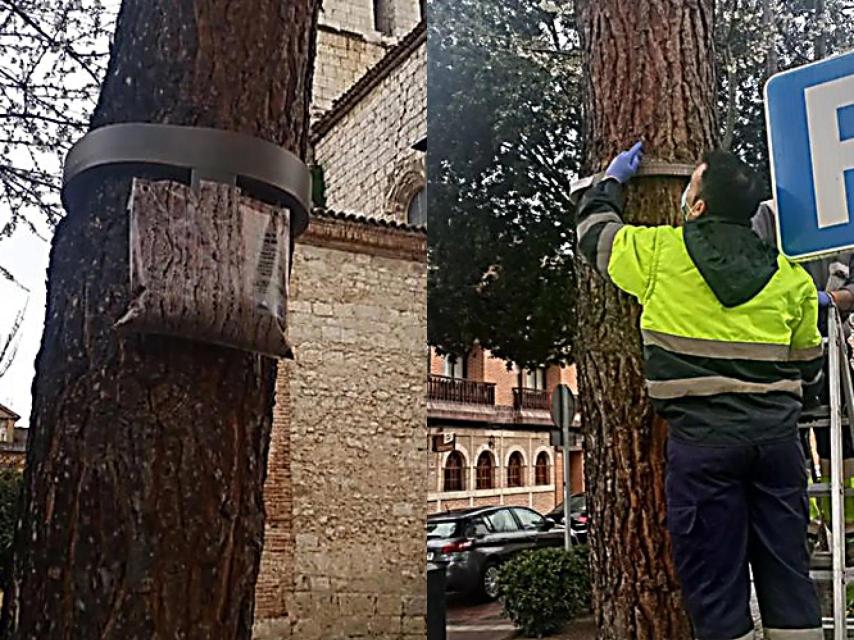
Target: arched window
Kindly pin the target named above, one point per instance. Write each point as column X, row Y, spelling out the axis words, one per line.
column 541, row 469
column 416, row 211
column 514, row 470
column 454, row 472
column 485, row 478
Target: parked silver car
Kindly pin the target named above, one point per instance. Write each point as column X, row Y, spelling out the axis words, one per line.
column 475, row 542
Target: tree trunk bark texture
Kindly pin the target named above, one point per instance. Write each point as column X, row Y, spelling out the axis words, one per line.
column 770, row 28
column 731, row 104
column 143, row 513
column 210, row 266
column 650, row 75
column 820, row 40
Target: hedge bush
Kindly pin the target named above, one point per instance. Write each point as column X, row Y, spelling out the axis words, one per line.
column 544, row 589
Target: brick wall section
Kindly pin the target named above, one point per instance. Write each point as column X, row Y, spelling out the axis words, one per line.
column 569, row 376
column 342, row 58
column 407, row 14
column 544, row 502
column 450, row 505
column 10, row 459
column 495, row 370
column 358, row 15
column 357, row 445
column 576, row 470
column 370, row 148
column 474, row 365
column 348, row 45
column 276, row 577
column 436, row 366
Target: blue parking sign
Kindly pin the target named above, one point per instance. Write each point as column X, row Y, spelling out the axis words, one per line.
column 810, row 117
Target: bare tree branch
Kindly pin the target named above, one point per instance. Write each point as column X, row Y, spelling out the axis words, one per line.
column 9, row 344
column 52, row 57
column 52, row 40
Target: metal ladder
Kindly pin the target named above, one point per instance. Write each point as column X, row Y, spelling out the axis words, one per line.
column 839, row 379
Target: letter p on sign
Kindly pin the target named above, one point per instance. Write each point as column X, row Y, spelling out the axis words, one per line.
column 830, row 116
column 810, row 118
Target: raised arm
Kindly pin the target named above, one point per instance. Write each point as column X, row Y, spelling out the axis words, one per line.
column 620, row 253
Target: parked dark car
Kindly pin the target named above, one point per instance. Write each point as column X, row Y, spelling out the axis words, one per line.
column 578, row 517
column 475, row 542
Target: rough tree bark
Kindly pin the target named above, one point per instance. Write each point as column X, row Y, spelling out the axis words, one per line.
column 820, row 40
column 238, row 291
column 143, row 513
column 770, row 29
column 650, row 75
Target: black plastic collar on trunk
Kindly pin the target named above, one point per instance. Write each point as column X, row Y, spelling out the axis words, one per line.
column 263, row 170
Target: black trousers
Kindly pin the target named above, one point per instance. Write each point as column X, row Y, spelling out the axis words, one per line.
column 730, row 507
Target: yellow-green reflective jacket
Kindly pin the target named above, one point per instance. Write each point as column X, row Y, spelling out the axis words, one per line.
column 729, row 327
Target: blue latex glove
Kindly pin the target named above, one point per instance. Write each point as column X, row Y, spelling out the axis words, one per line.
column 823, row 299
column 625, row 165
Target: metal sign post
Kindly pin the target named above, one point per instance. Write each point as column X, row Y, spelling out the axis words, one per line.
column 567, row 493
column 563, row 412
column 836, row 486
column 841, row 393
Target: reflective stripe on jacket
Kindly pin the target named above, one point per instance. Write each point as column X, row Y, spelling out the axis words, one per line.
column 719, row 368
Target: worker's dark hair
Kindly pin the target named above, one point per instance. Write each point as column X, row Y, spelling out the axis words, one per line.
column 729, row 187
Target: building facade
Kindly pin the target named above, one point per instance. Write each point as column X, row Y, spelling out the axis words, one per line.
column 346, row 496
column 490, row 434
column 13, row 440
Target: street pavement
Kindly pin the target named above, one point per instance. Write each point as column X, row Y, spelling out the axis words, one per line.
column 475, row 621
column 467, row 621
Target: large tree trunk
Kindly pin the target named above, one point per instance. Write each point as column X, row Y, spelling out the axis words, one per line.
column 650, row 71
column 143, row 513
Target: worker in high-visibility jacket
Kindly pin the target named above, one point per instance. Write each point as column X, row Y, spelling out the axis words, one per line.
column 729, row 337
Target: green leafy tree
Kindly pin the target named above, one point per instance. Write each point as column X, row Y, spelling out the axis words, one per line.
column 503, row 115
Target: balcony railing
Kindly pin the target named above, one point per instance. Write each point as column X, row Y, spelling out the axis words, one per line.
column 531, row 399
column 460, row 390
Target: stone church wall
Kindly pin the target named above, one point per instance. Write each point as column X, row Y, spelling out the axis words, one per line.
column 346, row 494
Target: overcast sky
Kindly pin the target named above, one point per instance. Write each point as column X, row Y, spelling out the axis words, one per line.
column 26, row 256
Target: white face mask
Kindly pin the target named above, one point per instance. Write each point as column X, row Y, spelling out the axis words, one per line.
column 685, row 209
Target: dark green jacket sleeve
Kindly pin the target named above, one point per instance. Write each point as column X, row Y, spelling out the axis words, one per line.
column 598, row 219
